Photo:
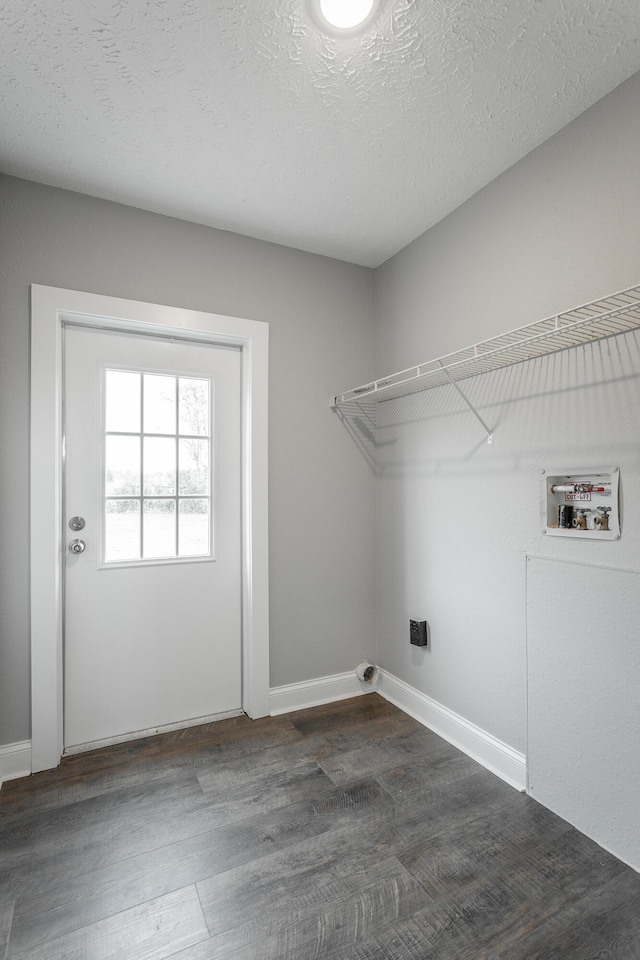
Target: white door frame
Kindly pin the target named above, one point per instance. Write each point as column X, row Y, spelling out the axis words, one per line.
column 51, row 308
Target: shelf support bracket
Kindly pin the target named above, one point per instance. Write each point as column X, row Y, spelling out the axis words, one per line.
column 453, row 383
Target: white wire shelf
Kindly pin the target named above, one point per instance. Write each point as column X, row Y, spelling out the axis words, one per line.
column 607, row 317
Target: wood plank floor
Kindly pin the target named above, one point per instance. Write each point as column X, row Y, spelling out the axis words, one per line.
column 344, row 832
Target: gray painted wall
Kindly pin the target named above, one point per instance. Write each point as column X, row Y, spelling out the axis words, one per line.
column 456, row 517
column 321, row 488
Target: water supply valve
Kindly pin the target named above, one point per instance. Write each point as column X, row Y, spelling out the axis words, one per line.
column 601, row 519
column 579, row 521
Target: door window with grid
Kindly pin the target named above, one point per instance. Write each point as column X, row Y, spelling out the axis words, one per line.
column 157, row 467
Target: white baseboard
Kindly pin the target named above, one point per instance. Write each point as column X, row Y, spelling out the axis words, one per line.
column 496, row 756
column 15, row 760
column 312, row 693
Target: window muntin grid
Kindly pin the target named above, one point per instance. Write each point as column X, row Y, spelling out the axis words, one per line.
column 157, row 467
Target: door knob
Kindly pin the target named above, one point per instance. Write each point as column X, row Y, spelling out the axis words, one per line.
column 77, row 546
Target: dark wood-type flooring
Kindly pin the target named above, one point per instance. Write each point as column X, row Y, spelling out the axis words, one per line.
column 344, row 832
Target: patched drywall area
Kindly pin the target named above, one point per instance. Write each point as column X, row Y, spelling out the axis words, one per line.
column 583, row 629
column 457, row 517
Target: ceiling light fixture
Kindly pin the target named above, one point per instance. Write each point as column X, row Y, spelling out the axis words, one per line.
column 345, row 17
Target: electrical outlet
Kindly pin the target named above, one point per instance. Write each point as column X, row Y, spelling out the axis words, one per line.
column 418, row 634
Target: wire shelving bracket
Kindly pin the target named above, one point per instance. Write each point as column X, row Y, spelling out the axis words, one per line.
column 607, row 317
column 470, row 405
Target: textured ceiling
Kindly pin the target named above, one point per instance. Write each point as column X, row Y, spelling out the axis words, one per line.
column 242, row 115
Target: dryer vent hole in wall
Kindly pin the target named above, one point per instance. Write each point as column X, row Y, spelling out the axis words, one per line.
column 366, row 672
column 418, row 634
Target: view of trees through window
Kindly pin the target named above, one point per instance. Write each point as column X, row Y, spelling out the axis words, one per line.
column 157, row 481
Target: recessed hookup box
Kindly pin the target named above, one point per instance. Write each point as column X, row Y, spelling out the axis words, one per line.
column 581, row 504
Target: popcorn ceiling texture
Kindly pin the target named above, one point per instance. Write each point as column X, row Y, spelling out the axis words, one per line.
column 242, row 115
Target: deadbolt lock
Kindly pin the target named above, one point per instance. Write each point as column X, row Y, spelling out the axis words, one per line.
column 76, row 523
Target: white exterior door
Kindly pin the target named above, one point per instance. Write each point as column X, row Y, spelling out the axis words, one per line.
column 152, row 631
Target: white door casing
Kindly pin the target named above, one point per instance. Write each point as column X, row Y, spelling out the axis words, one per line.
column 152, row 641
column 51, row 308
